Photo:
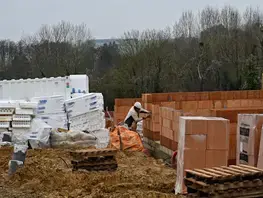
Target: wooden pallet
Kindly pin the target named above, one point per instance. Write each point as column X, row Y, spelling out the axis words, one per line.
column 95, row 160
column 232, row 181
column 93, row 153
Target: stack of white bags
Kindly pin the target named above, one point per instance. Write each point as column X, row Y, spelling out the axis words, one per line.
column 51, row 110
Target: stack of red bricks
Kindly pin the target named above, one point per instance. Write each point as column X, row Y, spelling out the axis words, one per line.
column 226, row 104
column 122, row 106
column 169, row 124
column 202, row 143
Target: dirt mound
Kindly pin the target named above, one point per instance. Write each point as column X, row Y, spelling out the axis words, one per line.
column 47, row 173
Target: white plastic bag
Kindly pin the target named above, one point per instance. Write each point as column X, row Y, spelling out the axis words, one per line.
column 39, row 134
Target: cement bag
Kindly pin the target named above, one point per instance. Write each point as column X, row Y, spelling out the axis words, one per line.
column 72, row 139
column 71, row 136
column 39, row 134
column 58, row 136
column 80, row 136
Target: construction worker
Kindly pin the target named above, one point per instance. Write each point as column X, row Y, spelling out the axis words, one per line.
column 133, row 118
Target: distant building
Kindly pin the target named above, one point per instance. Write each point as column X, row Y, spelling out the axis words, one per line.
column 101, row 42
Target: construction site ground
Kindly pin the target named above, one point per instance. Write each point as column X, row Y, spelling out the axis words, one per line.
column 48, row 173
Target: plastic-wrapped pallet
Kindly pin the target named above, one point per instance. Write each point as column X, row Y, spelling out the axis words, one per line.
column 51, row 110
column 83, row 104
column 55, row 120
column 86, row 112
column 25, row 108
column 90, row 121
column 49, row 104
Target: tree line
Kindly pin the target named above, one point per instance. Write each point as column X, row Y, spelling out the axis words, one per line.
column 215, row 49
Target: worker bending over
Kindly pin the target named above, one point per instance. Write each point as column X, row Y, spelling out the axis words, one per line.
column 133, row 115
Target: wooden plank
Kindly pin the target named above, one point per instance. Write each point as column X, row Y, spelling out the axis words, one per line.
column 234, row 170
column 193, row 172
column 197, row 182
column 250, row 167
column 226, row 171
column 217, row 172
column 244, row 169
column 207, row 173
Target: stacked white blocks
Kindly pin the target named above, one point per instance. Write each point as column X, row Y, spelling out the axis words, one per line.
column 51, row 110
column 15, row 121
column 86, row 112
column 21, row 121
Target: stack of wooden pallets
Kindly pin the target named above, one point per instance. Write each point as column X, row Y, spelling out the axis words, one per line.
column 232, row 181
column 94, row 159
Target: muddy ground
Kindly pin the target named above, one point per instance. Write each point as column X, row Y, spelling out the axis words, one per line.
column 48, row 173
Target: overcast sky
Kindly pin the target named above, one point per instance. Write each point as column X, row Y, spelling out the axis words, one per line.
column 105, row 18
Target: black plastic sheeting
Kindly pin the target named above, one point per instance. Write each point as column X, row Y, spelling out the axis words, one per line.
column 7, row 138
column 18, row 160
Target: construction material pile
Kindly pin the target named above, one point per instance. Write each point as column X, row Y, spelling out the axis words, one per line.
column 233, row 181
column 94, row 160
column 84, row 113
column 48, row 173
column 16, row 117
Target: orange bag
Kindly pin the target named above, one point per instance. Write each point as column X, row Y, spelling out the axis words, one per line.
column 124, row 139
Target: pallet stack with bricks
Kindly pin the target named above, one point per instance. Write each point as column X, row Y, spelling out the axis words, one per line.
column 121, row 108
column 226, row 104
column 202, row 143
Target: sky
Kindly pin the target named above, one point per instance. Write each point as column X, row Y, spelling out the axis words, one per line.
column 105, row 18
